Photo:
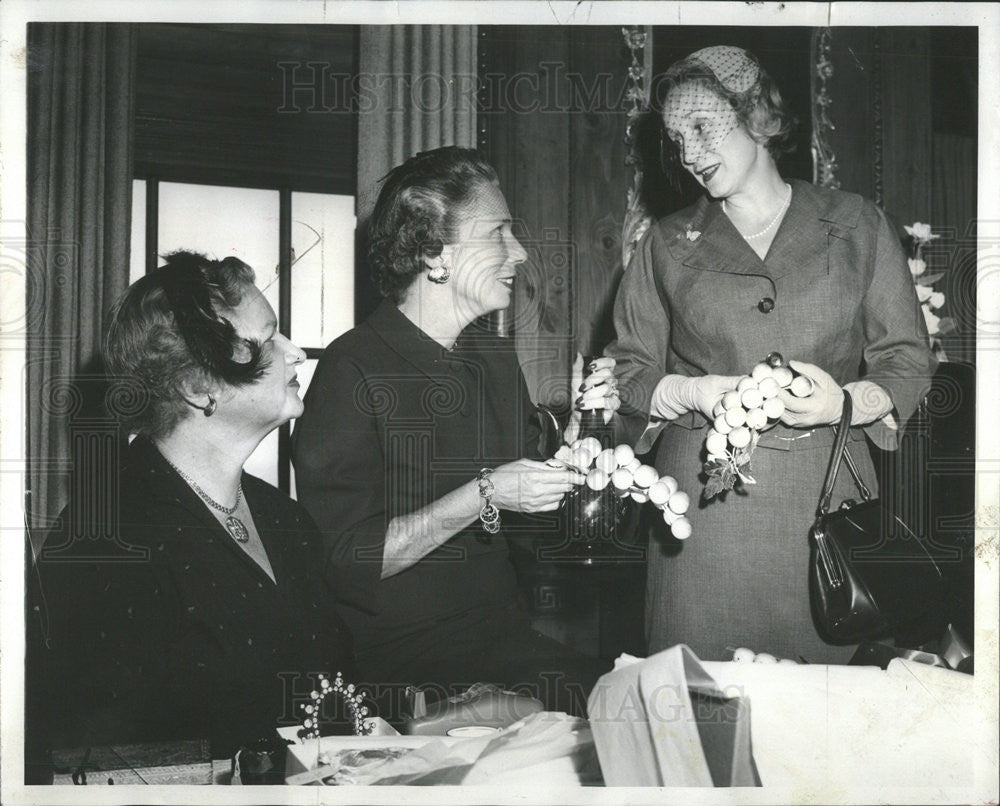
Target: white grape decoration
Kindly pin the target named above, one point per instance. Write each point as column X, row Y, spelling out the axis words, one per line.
column 628, row 476
column 741, row 416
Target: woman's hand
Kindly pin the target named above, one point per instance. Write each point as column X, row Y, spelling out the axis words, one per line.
column 678, row 394
column 708, row 391
column 823, row 407
column 598, row 391
column 529, row 486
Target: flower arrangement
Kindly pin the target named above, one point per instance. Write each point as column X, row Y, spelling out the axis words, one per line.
column 930, row 300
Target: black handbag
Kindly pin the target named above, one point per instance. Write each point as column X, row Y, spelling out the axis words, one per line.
column 870, row 575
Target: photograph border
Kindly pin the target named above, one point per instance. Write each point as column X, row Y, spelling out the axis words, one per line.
column 15, row 14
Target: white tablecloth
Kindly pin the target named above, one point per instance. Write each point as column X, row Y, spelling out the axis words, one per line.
column 833, row 727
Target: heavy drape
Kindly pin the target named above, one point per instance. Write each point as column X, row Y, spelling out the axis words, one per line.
column 79, row 151
column 418, row 92
column 953, row 208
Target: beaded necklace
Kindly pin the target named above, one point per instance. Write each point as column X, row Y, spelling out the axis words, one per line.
column 236, row 528
column 767, row 229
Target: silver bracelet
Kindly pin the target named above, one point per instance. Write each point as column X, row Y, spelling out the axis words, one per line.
column 489, row 514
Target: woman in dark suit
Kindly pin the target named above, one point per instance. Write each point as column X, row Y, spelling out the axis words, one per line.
column 418, row 450
column 759, row 264
column 209, row 619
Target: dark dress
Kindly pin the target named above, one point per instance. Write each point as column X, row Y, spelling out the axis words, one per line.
column 192, row 639
column 393, row 422
column 834, row 290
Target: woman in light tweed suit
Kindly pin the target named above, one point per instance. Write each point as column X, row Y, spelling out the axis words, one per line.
column 759, row 264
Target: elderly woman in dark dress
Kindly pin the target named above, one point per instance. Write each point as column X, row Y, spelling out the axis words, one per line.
column 759, row 264
column 206, row 626
column 405, row 417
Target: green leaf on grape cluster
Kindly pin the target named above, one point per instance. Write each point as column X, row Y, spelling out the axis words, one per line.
column 722, row 475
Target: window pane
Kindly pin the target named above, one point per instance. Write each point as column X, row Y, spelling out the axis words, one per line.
column 305, row 373
column 323, row 268
column 137, row 255
column 263, row 462
column 223, row 221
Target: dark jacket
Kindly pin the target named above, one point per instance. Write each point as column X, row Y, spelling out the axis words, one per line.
column 393, row 422
column 180, row 634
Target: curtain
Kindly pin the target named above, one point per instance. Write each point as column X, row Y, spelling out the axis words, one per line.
column 79, row 153
column 418, row 93
column 953, row 210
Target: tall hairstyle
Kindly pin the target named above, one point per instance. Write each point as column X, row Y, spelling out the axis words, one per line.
column 417, row 213
column 760, row 109
column 169, row 334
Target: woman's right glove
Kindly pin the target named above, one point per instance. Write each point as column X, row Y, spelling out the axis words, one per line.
column 675, row 395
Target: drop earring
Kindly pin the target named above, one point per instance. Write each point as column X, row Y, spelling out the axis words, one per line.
column 439, row 274
column 207, row 410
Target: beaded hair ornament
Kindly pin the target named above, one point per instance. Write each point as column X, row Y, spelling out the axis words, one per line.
column 351, row 698
column 696, row 117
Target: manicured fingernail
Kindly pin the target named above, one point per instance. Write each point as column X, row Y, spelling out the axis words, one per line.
column 579, row 400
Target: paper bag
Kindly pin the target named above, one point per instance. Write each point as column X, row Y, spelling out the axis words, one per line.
column 664, row 722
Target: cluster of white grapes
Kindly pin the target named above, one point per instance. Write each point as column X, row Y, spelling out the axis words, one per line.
column 620, row 468
column 744, row 655
column 753, row 406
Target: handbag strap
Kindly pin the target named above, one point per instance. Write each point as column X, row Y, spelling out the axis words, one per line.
column 839, row 444
column 853, row 468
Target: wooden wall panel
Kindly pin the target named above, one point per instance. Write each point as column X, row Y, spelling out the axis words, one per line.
column 599, row 181
column 906, row 92
column 555, row 122
column 953, row 210
column 954, row 196
column 881, row 107
column 525, row 113
column 904, row 110
column 852, row 111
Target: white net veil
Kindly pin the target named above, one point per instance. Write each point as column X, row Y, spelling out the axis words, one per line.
column 697, row 111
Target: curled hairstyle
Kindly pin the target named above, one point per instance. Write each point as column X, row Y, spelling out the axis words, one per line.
column 417, row 213
column 760, row 109
column 169, row 334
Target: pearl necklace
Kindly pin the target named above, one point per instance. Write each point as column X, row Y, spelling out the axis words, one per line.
column 236, row 528
column 767, row 229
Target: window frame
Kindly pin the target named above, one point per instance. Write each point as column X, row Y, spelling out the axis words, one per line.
column 284, row 312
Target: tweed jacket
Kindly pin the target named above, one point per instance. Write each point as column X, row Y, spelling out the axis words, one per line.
column 834, row 290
